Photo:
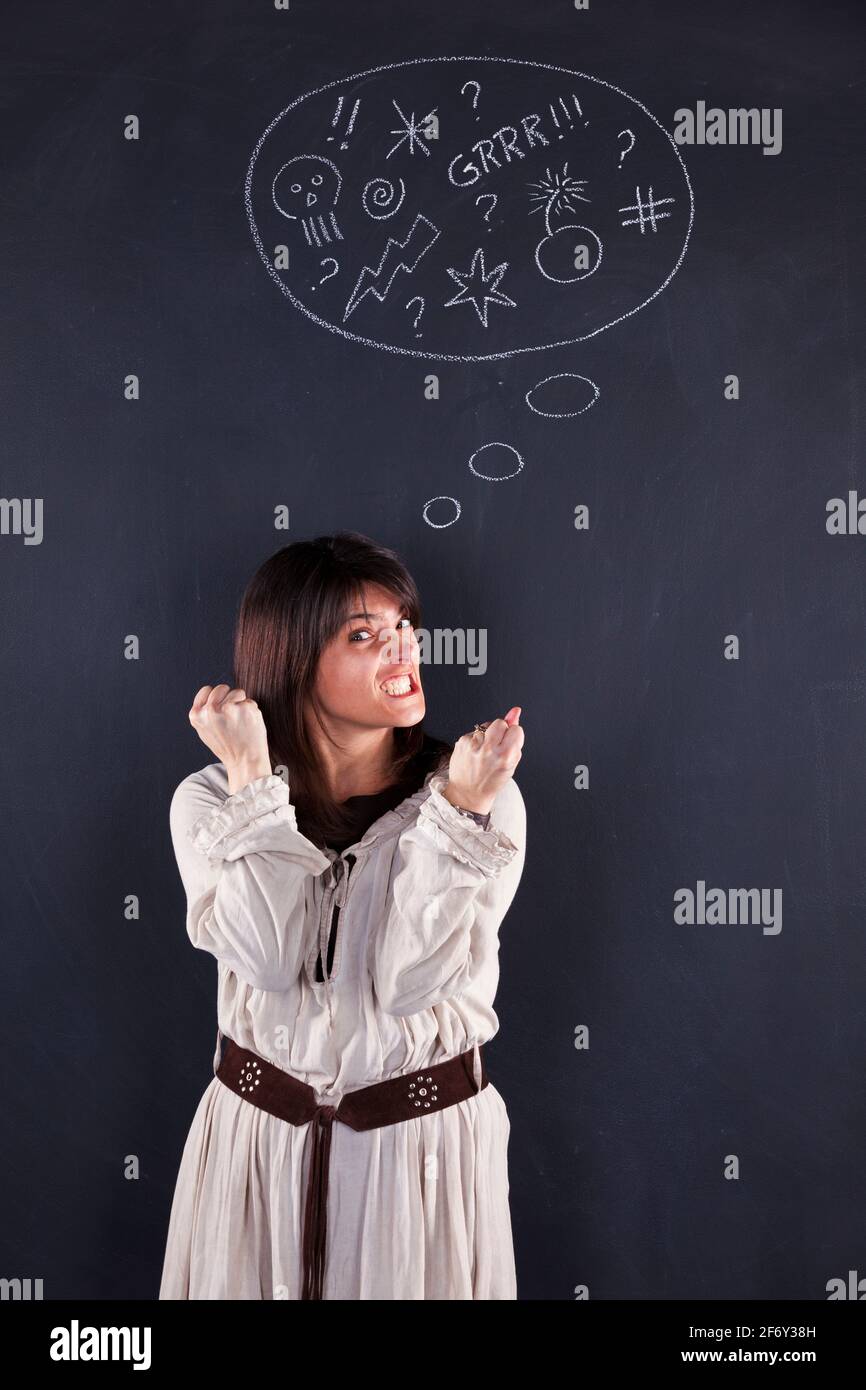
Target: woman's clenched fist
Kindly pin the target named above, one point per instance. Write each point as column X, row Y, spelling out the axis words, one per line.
column 234, row 729
column 483, row 761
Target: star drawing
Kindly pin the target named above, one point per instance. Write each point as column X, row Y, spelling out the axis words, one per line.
column 485, row 286
column 410, row 131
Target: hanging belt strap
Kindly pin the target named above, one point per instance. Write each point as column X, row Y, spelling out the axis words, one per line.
column 316, row 1206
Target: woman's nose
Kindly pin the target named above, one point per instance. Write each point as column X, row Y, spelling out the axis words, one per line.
column 400, row 648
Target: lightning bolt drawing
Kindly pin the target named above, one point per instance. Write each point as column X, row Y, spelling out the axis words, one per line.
column 417, row 244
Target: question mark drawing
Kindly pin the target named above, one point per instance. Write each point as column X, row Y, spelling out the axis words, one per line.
column 417, row 300
column 331, row 273
column 477, row 86
column 623, row 153
column 493, row 200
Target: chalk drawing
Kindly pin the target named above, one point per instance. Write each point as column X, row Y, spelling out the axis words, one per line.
column 411, row 132
column 478, row 287
column 556, row 192
column 328, row 260
column 564, row 241
column 628, row 149
column 417, row 299
column 496, row 477
column 647, row 216
column 380, row 198
column 564, row 116
column 397, row 256
column 344, row 145
column 304, row 185
column 440, row 525
column 555, row 197
column 477, row 86
column 562, row 414
column 513, row 136
column 482, row 198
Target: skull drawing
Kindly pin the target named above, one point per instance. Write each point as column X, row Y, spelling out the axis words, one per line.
column 306, row 190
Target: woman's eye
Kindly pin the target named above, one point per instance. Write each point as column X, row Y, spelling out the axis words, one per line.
column 361, row 631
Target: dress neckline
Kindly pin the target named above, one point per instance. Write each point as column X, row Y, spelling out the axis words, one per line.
column 372, row 796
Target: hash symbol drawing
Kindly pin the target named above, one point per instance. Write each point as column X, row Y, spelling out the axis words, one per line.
column 646, row 211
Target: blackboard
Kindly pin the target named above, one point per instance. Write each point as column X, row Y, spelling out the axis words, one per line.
column 615, row 456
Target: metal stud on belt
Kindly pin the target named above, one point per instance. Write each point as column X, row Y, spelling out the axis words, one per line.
column 415, row 1091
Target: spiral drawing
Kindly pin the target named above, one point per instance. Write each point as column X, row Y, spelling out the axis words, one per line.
column 379, row 198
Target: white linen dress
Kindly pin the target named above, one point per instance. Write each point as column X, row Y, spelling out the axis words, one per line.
column 418, row 1209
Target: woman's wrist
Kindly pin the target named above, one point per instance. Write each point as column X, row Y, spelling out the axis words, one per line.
column 465, row 801
column 240, row 774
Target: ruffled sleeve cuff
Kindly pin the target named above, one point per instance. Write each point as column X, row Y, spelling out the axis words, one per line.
column 217, row 832
column 488, row 850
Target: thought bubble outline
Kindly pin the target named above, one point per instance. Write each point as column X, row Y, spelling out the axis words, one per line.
column 561, row 414
column 463, row 356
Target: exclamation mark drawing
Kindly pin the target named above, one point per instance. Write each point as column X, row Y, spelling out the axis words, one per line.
column 567, row 114
column 344, row 144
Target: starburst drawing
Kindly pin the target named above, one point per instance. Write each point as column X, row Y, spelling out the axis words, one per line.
column 411, row 131
column 555, row 194
column 485, row 286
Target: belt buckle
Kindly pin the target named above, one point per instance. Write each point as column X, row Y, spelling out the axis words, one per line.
column 422, row 1092
column 250, row 1077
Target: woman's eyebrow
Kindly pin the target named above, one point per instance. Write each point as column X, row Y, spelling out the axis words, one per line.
column 353, row 616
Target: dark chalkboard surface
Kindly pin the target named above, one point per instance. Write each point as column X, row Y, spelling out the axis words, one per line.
column 599, row 392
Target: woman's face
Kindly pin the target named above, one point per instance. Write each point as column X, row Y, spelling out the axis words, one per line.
column 372, row 649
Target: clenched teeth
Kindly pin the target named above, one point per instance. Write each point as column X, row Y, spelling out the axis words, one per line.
column 401, row 686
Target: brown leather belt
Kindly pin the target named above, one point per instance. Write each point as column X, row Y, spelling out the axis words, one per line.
column 408, row 1097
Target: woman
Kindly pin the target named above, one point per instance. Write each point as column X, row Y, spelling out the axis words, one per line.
column 350, row 874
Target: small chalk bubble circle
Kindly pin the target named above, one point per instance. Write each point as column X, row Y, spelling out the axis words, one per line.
column 496, row 477
column 440, row 525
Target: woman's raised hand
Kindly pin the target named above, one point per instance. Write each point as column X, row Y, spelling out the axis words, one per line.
column 482, row 762
column 234, row 729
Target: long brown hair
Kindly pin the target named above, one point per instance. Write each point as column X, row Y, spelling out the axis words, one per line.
column 293, row 606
